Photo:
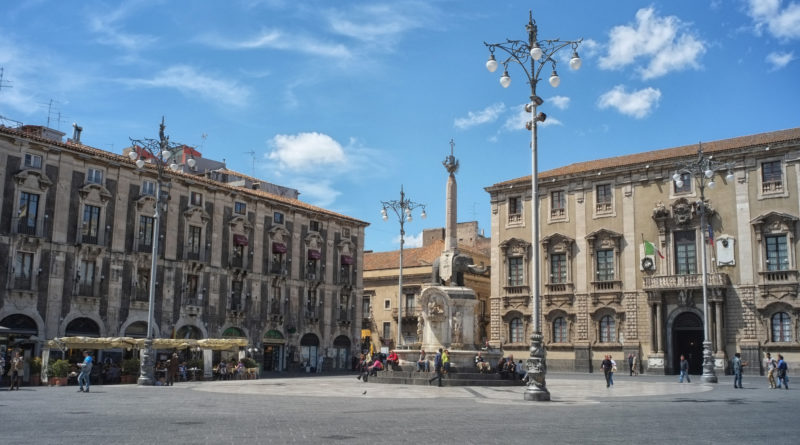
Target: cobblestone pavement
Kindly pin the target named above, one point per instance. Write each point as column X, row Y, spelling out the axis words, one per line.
column 340, row 409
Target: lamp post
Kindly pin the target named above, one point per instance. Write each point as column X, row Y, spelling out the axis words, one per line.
column 533, row 55
column 158, row 153
column 703, row 170
column 402, row 209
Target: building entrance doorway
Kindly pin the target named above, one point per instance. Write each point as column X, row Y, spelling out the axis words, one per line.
column 687, row 340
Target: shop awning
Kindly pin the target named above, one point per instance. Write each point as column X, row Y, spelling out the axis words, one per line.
column 278, row 248
column 346, row 260
column 314, row 254
column 217, row 344
column 239, row 240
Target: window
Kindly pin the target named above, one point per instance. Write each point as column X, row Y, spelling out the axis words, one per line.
column 387, row 304
column 197, row 199
column 685, row 252
column 23, row 266
column 558, row 204
column 781, row 327
column 33, row 161
column 94, row 176
column 603, row 198
column 148, row 188
column 91, row 219
column 86, row 278
column 194, row 239
column 605, row 265
column 387, row 330
column 240, row 208
column 345, row 232
column 366, row 307
column 314, row 225
column 515, row 209
column 515, row 330
column 236, row 295
column 311, row 269
column 278, row 217
column 771, row 177
column 686, row 178
column 558, row 268
column 28, row 212
column 146, row 230
column 777, row 254
column 191, row 286
column 560, row 330
column 515, row 274
column 408, row 308
column 607, row 329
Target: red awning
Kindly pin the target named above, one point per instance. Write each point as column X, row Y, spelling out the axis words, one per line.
column 314, row 254
column 347, row 259
column 239, row 240
column 278, row 248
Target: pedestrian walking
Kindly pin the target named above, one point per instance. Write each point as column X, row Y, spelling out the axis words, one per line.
column 86, row 371
column 613, row 370
column 635, row 365
column 737, row 364
column 15, row 370
column 684, row 368
column 606, row 366
column 445, row 361
column 172, row 369
column 782, row 371
column 770, row 365
column 437, row 368
column 630, row 364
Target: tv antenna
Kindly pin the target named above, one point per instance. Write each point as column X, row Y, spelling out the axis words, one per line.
column 252, row 154
column 203, row 136
column 51, row 105
column 4, row 83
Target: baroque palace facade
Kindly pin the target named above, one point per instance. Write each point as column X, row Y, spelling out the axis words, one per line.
column 238, row 257
column 621, row 262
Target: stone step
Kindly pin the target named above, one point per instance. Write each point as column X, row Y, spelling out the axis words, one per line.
column 448, row 380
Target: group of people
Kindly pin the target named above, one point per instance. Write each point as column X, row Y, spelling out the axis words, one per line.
column 776, row 368
column 368, row 366
column 228, row 370
column 609, row 368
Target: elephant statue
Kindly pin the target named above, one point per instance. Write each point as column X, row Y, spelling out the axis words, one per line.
column 460, row 264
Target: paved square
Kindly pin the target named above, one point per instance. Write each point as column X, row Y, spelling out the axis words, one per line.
column 330, row 409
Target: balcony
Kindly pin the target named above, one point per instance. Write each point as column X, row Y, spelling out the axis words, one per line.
column 22, row 283
column 409, row 312
column 343, row 317
column 606, row 286
column 516, row 290
column 778, row 282
column 193, row 305
column 277, row 269
column 142, row 295
column 678, row 282
column 772, row 186
column 144, row 247
column 193, row 256
column 89, row 239
column 86, row 290
column 559, row 294
column 312, row 315
column 515, row 218
column 345, row 278
column 236, row 262
column 24, row 228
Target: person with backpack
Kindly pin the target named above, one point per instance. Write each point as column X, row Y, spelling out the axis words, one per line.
column 782, row 369
column 437, row 368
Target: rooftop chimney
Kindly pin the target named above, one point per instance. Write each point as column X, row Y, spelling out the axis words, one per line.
column 76, row 133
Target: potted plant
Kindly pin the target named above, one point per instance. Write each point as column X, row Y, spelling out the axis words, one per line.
column 130, row 369
column 57, row 372
column 35, row 366
column 195, row 369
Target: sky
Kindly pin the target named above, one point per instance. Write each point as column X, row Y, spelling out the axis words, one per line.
column 350, row 101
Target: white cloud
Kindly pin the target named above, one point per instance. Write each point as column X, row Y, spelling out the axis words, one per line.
column 304, row 150
column 488, row 114
column 518, row 120
column 560, row 102
column 783, row 23
column 316, row 191
column 280, row 40
column 657, row 41
column 381, row 24
column 189, row 81
column 779, row 60
column 107, row 25
column 637, row 104
column 411, row 240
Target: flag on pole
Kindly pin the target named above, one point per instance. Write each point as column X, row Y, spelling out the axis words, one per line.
column 651, row 249
column 711, row 235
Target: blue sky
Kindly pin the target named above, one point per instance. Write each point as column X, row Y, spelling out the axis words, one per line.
column 346, row 101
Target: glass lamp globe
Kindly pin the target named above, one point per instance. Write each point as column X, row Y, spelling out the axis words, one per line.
column 132, row 155
column 575, row 62
column 536, row 52
column 139, row 163
column 555, row 81
column 491, row 64
column 679, row 183
column 505, row 81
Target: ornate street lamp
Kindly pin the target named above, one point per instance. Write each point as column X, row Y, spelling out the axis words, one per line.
column 159, row 153
column 703, row 170
column 402, row 209
column 533, row 55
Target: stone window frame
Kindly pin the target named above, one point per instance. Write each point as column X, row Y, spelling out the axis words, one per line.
column 148, row 188
column 94, row 194
column 604, row 239
column 36, row 183
column 278, row 234
column 794, row 325
column 91, row 175
column 239, row 208
column 196, row 216
column 35, row 258
column 790, row 332
column 688, row 183
column 596, row 320
column 569, row 325
column 240, row 226
column 552, row 217
column 387, row 304
column 521, row 328
column 775, row 224
column 611, row 211
column 515, row 248
column 32, row 155
column 782, row 191
column 558, row 244
column 515, row 219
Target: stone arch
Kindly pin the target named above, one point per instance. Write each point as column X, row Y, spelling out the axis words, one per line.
column 139, row 318
column 83, row 326
column 670, row 357
column 5, row 315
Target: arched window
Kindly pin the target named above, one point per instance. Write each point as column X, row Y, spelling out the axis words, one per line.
column 560, row 330
column 608, row 332
column 781, row 327
column 516, row 331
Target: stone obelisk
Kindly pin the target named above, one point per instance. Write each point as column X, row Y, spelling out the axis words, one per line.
column 451, row 214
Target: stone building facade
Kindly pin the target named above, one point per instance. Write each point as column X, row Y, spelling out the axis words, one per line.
column 621, row 262
column 76, row 233
column 379, row 301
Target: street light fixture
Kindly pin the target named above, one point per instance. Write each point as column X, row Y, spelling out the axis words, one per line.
column 533, row 55
column 402, row 209
column 158, row 152
column 703, row 170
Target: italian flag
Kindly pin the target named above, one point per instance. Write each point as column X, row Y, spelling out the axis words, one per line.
column 651, row 249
